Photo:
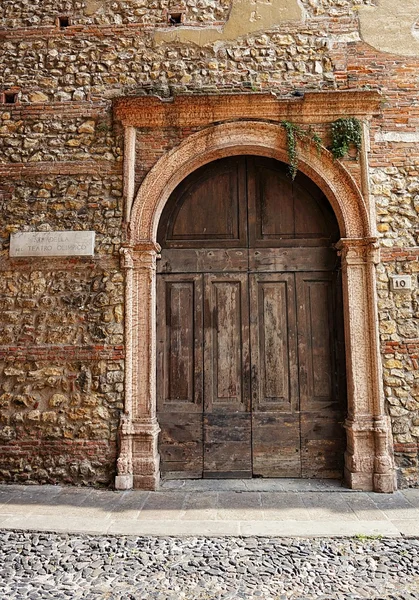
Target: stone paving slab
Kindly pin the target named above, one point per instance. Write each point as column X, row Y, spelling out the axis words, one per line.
column 407, row 528
column 63, row 524
column 176, row 528
column 218, row 508
column 318, row 529
column 187, row 527
column 252, row 485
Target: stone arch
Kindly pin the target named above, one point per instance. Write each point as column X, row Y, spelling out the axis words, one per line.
column 368, row 458
column 247, row 137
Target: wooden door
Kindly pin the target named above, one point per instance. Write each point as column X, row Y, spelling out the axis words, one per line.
column 250, row 377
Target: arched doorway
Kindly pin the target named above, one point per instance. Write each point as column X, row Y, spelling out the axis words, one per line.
column 368, row 456
column 250, row 345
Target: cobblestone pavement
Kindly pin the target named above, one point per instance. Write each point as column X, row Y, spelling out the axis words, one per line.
column 44, row 566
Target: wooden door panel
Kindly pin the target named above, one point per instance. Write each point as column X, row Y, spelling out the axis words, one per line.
column 284, row 212
column 270, row 200
column 322, row 399
column 227, row 422
column 273, row 342
column 276, row 445
column 179, row 373
column 208, row 209
column 275, row 418
column 226, row 323
column 179, row 342
column 181, row 444
column 316, row 340
column 314, row 217
column 227, row 447
column 322, row 444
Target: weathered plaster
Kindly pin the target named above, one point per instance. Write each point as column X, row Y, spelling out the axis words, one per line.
column 246, row 16
column 404, row 137
column 389, row 27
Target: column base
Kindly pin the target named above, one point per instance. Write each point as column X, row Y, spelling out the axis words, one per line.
column 363, row 482
column 385, row 483
column 124, row 482
column 145, row 456
column 147, row 482
column 369, row 463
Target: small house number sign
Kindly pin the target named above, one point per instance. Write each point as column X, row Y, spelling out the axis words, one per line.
column 400, row 283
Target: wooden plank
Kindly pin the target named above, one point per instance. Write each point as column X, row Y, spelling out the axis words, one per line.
column 203, row 260
column 322, row 459
column 227, row 448
column 322, row 444
column 276, row 445
column 181, row 442
column 292, row 259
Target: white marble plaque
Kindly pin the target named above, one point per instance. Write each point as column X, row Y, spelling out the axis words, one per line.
column 52, row 243
column 400, row 283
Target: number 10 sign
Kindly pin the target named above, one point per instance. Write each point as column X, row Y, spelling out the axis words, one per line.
column 400, row 283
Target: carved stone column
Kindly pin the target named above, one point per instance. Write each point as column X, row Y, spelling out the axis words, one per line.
column 138, row 462
column 368, row 459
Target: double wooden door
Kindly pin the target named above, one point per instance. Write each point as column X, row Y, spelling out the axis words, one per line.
column 250, row 373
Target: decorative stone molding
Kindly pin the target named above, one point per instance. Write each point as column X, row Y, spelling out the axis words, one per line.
column 368, row 458
column 138, row 462
column 201, row 111
column 247, row 137
column 129, row 169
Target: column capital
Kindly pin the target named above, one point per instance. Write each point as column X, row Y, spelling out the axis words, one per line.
column 141, row 255
column 359, row 250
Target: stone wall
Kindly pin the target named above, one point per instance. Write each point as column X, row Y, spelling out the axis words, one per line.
column 61, row 370
column 399, row 330
column 51, row 139
column 40, row 13
column 61, row 168
column 81, row 305
column 59, row 418
column 86, row 66
column 55, row 202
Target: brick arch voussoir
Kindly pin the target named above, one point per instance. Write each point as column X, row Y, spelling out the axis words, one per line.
column 247, row 137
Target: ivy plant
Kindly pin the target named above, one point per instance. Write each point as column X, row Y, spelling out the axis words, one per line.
column 294, row 133
column 345, row 133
